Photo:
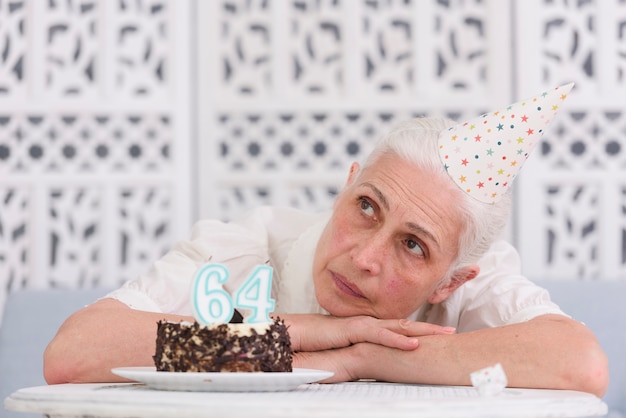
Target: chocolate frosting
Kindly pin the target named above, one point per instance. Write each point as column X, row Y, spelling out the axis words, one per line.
column 186, row 347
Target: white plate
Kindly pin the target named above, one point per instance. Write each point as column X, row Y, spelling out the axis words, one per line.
column 222, row 382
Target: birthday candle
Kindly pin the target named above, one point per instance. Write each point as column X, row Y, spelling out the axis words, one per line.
column 212, row 304
column 255, row 294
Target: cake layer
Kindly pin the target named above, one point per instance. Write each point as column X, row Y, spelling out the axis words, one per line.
column 191, row 347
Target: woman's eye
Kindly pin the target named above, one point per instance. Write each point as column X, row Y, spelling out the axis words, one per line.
column 414, row 247
column 366, row 207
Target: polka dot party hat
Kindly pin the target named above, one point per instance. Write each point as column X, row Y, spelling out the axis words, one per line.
column 485, row 154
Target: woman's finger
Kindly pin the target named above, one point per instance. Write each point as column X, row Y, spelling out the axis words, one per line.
column 394, row 333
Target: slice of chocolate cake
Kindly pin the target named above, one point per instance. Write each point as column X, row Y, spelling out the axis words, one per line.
column 191, row 347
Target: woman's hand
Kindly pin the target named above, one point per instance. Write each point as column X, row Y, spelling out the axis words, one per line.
column 314, row 332
column 358, row 361
column 343, row 362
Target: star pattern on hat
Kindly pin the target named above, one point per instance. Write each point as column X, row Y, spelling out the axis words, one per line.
column 484, row 155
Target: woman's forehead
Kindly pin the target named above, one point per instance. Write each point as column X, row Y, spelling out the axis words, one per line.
column 417, row 195
column 391, row 170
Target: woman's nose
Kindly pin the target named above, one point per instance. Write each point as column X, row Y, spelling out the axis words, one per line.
column 368, row 254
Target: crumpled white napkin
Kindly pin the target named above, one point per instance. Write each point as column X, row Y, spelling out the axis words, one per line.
column 489, row 381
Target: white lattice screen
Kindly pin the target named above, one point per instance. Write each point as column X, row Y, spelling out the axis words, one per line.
column 292, row 92
column 99, row 130
column 95, row 122
column 572, row 207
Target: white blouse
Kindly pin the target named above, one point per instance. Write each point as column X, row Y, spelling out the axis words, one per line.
column 286, row 238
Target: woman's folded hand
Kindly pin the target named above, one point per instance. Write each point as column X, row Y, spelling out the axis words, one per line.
column 315, row 332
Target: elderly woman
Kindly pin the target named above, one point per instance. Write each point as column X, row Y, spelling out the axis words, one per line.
column 404, row 281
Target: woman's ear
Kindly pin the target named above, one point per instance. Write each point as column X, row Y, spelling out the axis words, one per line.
column 352, row 175
column 354, row 171
column 459, row 277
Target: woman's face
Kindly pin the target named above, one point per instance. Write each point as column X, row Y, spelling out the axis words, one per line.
column 392, row 237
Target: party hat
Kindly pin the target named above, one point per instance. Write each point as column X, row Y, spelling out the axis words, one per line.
column 485, row 154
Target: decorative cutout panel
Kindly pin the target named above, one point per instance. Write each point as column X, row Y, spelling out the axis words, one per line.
column 13, row 49
column 75, row 38
column 95, row 235
column 75, row 236
column 307, row 49
column 145, row 233
column 71, row 48
column 98, row 145
column 572, row 227
column 619, row 53
column 308, row 141
column 315, row 198
column 586, row 140
column 315, row 48
column 569, row 40
column 143, row 33
column 15, row 236
column 580, row 41
column 235, row 200
column 462, row 45
column 576, row 178
column 94, row 139
column 387, row 41
column 66, row 143
column 244, row 49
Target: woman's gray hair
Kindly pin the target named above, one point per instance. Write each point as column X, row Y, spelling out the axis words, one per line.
column 416, row 141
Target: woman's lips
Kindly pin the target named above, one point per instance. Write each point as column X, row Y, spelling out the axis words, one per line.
column 346, row 287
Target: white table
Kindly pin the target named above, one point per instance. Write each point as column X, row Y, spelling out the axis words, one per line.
column 358, row 399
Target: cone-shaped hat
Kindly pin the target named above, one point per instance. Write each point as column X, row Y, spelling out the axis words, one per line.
column 485, row 154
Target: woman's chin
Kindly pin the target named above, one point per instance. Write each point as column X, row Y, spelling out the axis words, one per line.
column 342, row 309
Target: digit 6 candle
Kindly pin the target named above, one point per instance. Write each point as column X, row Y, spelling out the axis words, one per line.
column 210, row 302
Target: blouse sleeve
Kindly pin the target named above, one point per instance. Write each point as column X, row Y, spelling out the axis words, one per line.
column 500, row 295
column 166, row 288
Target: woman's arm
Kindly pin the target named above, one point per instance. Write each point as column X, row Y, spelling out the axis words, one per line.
column 550, row 351
column 102, row 336
column 109, row 334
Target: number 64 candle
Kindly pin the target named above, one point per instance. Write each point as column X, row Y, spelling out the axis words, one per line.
column 212, row 304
